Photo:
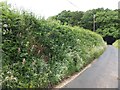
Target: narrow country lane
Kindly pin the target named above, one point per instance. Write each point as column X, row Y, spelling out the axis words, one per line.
column 102, row 74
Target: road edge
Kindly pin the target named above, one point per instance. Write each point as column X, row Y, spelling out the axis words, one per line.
column 71, row 78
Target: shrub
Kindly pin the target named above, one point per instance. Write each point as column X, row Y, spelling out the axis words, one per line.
column 40, row 53
column 117, row 43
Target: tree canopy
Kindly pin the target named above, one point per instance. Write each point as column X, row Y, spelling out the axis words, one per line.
column 105, row 20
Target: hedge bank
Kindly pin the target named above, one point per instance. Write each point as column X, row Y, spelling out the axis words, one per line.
column 37, row 53
column 117, row 43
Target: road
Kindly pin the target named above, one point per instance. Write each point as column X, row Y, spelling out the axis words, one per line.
column 103, row 73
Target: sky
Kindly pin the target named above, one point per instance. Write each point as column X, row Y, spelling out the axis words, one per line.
column 46, row 8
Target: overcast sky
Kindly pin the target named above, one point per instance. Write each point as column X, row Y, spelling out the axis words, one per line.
column 48, row 8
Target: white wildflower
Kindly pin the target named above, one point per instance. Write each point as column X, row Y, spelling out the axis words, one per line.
column 23, row 62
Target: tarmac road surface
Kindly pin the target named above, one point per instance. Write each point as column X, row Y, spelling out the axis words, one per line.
column 103, row 73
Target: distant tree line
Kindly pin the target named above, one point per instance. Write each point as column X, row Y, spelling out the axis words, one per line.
column 105, row 21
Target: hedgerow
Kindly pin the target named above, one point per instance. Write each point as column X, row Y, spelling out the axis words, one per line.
column 37, row 53
column 117, row 43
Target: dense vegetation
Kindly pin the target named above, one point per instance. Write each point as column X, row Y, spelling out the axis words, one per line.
column 40, row 53
column 117, row 43
column 105, row 20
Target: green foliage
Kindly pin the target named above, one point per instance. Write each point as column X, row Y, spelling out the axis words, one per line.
column 117, row 43
column 68, row 17
column 106, row 20
column 39, row 53
column 27, row 74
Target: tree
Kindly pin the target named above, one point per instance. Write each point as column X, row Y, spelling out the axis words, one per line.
column 68, row 17
column 106, row 21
